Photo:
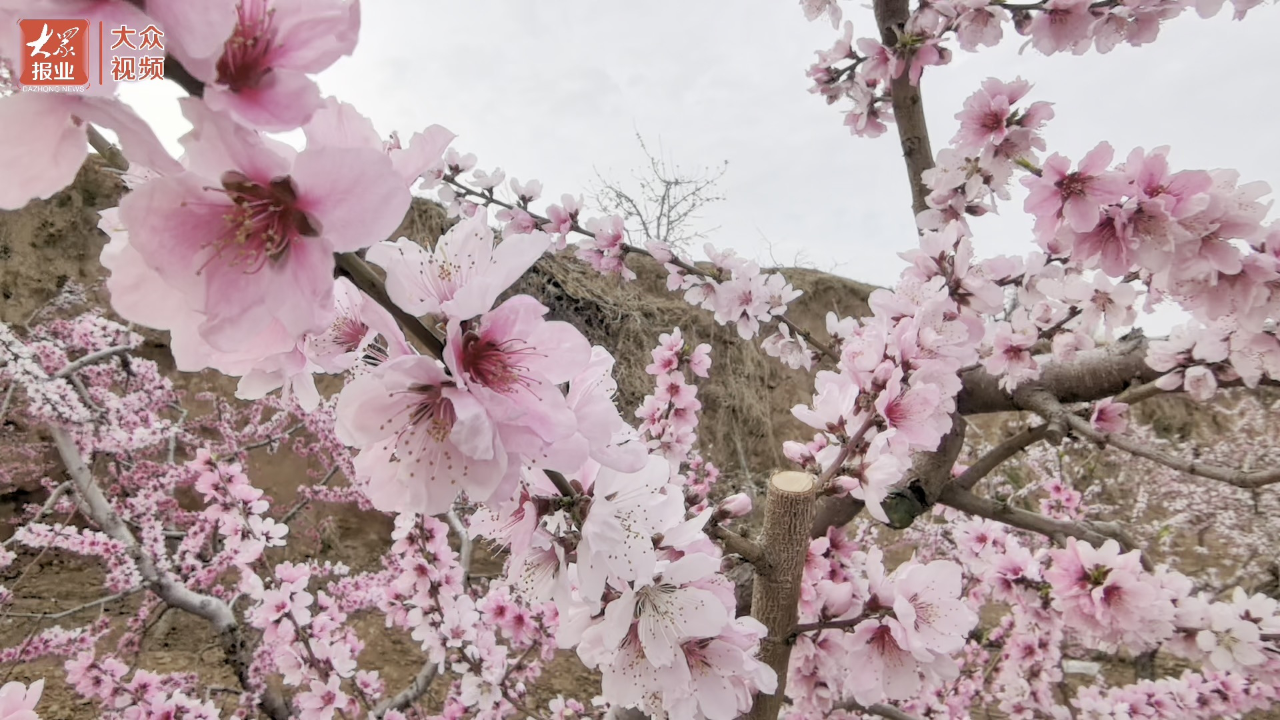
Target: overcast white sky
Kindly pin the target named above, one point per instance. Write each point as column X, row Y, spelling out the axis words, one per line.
column 556, row 91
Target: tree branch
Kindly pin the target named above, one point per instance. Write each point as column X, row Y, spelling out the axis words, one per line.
column 775, row 595
column 997, row 455
column 881, row 709
column 1056, row 530
column 416, row 689
column 354, row 268
column 908, row 107
column 217, row 612
column 1093, row 375
column 1237, row 478
column 735, row 543
column 91, row 358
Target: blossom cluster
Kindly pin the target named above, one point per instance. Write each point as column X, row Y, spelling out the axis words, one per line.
column 862, row 71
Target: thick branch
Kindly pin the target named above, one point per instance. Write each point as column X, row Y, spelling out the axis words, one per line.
column 908, row 107
column 1093, row 375
column 775, row 595
column 416, row 689
column 930, row 474
column 881, row 709
column 173, row 593
column 835, row 512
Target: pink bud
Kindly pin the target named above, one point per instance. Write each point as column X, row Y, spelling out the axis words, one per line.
column 734, row 506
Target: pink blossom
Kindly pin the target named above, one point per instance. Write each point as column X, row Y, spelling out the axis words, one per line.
column 1060, row 25
column 928, row 605
column 1010, row 356
column 734, row 506
column 422, row 440
column 617, row 537
column 54, row 146
column 986, row 114
column 915, row 411
column 1109, row 416
column 463, row 275
column 322, row 700
column 1059, row 194
column 18, row 701
column 255, row 246
column 261, row 78
column 359, row 321
column 667, row 611
column 511, row 361
column 880, row 469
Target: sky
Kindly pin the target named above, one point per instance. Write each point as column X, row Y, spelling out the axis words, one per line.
column 558, row 90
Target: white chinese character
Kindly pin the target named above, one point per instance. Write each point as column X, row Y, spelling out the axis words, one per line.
column 37, row 45
column 65, row 49
column 64, row 71
column 41, row 71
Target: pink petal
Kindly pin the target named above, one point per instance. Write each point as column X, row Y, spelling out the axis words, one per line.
column 45, row 148
column 1081, row 213
column 355, row 194
column 339, row 124
column 172, row 222
column 200, row 29
column 217, row 143
column 283, row 100
column 137, row 141
column 425, row 149
column 313, row 34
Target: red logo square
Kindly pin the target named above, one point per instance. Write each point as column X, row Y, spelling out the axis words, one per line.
column 55, row 52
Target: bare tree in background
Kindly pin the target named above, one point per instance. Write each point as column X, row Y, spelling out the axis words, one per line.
column 665, row 204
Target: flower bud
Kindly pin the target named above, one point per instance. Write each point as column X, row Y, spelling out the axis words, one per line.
column 734, row 506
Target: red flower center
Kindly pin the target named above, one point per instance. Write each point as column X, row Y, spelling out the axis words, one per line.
column 495, row 365
column 262, row 221
column 244, row 62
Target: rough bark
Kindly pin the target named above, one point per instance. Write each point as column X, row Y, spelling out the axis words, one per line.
column 908, row 106
column 775, row 597
column 1093, row 375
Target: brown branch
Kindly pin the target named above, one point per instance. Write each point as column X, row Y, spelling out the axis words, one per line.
column 881, row 709
column 998, row 455
column 1093, row 375
column 354, row 268
column 1056, row 530
column 775, row 595
column 828, row 625
column 416, row 689
column 735, row 543
column 110, row 154
column 908, row 107
column 216, row 611
column 835, row 512
column 1230, row 476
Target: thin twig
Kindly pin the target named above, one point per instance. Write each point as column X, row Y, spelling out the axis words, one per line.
column 998, row 455
column 91, row 358
column 54, row 496
column 301, row 504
